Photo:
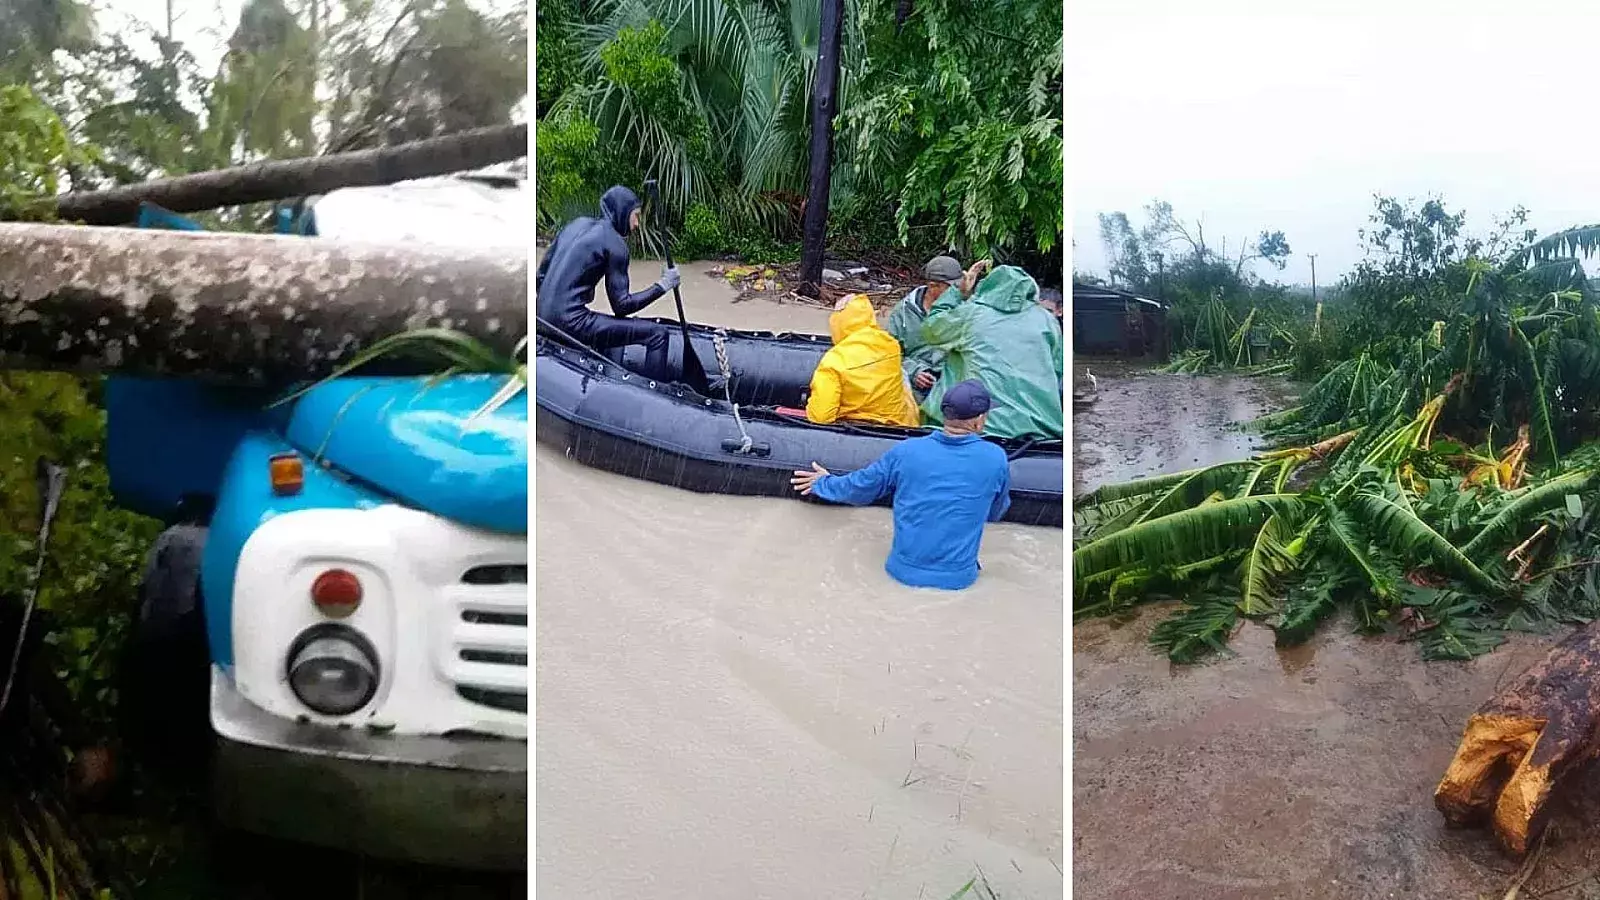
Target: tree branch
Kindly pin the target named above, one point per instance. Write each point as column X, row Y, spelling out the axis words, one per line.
column 282, row 179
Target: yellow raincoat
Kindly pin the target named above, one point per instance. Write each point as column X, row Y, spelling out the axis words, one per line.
column 860, row 378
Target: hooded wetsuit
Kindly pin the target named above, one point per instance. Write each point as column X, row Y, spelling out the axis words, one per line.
column 585, row 252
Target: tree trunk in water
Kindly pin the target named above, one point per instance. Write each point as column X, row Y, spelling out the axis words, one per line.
column 239, row 308
column 282, row 179
column 824, row 103
column 1520, row 746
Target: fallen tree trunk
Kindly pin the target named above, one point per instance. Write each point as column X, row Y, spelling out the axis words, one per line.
column 238, row 308
column 282, row 179
column 1521, row 745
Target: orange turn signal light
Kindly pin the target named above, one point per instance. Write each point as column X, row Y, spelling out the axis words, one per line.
column 287, row 473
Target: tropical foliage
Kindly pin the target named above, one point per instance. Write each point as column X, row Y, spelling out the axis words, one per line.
column 296, row 77
column 948, row 132
column 1438, row 481
column 82, row 107
column 1222, row 313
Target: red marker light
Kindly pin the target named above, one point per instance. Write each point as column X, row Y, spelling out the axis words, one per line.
column 336, row 593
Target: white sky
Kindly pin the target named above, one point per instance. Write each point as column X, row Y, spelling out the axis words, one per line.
column 1291, row 115
column 202, row 26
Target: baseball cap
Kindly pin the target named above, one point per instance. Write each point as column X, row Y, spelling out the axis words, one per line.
column 942, row 268
column 967, row 400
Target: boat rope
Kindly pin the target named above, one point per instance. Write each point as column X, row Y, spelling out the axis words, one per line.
column 718, row 341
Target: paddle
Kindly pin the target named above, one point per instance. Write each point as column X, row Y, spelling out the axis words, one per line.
column 694, row 374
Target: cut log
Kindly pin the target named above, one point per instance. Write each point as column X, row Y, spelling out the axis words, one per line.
column 286, row 178
column 1524, row 743
column 239, row 308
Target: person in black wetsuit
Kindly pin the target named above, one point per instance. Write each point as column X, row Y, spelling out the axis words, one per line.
column 586, row 252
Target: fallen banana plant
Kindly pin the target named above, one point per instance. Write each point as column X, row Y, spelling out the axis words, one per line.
column 1382, row 525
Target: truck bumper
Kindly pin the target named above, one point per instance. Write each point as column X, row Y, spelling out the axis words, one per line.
column 438, row 800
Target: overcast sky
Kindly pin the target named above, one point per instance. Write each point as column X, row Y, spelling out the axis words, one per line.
column 202, row 26
column 1258, row 118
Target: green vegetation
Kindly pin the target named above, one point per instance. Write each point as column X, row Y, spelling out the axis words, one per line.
column 1219, row 306
column 948, row 133
column 82, row 108
column 1437, row 480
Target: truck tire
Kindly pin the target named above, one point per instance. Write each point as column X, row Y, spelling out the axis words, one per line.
column 166, row 670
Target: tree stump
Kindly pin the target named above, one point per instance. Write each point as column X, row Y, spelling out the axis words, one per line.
column 1536, row 735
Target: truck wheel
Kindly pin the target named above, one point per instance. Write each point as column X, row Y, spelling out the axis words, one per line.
column 166, row 671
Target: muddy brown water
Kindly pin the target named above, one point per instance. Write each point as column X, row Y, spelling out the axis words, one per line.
column 1304, row 773
column 734, row 700
column 1144, row 423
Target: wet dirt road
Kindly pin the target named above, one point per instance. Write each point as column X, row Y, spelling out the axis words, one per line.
column 1307, row 773
column 1143, row 423
column 734, row 700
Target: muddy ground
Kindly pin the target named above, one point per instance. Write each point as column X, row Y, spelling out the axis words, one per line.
column 1305, row 773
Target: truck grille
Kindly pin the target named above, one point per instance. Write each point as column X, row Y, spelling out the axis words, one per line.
column 507, row 574
column 510, row 701
column 489, row 640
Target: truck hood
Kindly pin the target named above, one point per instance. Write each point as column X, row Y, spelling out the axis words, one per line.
column 418, row 440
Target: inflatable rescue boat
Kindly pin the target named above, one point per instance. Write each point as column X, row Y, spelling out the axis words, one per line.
column 596, row 411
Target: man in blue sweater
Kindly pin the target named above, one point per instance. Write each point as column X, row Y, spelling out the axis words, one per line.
column 945, row 486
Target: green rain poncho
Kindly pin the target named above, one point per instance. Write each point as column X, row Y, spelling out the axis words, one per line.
column 905, row 323
column 1004, row 338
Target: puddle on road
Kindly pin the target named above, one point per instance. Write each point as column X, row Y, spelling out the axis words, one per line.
column 1293, row 660
column 1145, row 423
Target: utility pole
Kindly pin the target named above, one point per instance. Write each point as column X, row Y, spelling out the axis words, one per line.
column 824, row 103
column 1316, row 321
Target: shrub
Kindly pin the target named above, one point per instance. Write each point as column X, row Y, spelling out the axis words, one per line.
column 567, row 168
column 702, row 233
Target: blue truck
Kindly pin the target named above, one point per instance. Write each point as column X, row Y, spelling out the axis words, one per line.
column 342, row 585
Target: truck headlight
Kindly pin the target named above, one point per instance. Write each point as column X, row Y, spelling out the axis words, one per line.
column 333, row 669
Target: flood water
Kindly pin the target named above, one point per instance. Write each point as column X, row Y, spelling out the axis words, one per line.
column 734, row 700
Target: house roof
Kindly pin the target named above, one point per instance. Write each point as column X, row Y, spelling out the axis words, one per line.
column 1095, row 295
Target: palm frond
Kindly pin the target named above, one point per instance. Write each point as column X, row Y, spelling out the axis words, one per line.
column 1463, row 630
column 1269, row 558
column 1555, row 275
column 1307, row 605
column 1197, row 630
column 1401, row 530
column 1518, row 512
column 1187, row 536
column 1581, row 242
column 1140, row 487
column 1348, row 538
